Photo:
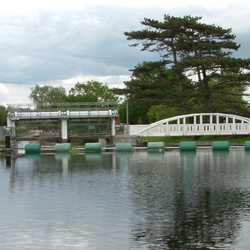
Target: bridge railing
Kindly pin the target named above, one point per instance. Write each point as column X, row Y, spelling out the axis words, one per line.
column 191, row 129
column 63, row 106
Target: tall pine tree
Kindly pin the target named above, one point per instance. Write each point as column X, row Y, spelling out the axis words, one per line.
column 202, row 52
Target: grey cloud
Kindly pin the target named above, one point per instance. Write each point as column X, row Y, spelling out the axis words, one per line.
column 58, row 45
column 47, row 45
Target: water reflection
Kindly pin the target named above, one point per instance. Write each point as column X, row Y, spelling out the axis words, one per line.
column 32, row 156
column 195, row 203
column 8, row 160
column 126, row 200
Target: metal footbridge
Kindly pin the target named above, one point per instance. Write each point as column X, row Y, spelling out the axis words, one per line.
column 62, row 112
column 199, row 124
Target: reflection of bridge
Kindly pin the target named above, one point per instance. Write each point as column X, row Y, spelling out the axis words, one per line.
column 195, row 125
column 63, row 113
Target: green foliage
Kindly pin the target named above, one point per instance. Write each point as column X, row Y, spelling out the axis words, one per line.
column 47, row 94
column 159, row 112
column 123, row 113
column 92, row 91
column 153, row 84
column 3, row 116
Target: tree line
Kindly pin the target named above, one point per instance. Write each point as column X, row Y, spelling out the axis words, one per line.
column 196, row 72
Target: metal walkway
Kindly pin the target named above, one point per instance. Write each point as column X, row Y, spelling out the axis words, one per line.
column 62, row 112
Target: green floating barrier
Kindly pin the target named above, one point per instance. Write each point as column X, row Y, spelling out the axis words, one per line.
column 32, row 148
column 93, row 147
column 247, row 145
column 124, row 146
column 62, row 147
column 188, row 146
column 220, row 145
column 156, row 145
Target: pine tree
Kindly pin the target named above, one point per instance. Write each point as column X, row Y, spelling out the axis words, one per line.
column 202, row 52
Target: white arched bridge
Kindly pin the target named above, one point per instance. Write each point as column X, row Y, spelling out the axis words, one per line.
column 199, row 124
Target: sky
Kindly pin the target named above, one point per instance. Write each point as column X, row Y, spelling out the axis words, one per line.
column 60, row 43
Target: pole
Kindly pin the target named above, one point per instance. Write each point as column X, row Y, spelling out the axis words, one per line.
column 127, row 118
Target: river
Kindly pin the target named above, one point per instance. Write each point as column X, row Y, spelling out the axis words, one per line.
column 123, row 200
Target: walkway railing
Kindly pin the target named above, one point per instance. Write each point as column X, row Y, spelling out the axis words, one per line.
column 64, row 106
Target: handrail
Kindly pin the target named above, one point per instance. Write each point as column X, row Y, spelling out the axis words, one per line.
column 64, row 106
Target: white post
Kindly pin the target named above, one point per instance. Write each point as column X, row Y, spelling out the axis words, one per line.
column 217, row 119
column 64, row 130
column 234, row 126
column 113, row 126
column 201, row 125
column 184, row 130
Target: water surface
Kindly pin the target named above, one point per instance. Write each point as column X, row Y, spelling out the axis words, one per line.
column 138, row 200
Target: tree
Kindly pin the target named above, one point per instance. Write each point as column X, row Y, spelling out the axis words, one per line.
column 47, row 94
column 3, row 116
column 92, row 91
column 200, row 51
column 153, row 84
column 159, row 112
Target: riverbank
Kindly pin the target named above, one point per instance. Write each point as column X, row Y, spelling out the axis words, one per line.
column 234, row 140
column 140, row 143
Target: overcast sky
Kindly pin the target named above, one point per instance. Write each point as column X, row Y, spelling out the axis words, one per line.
column 60, row 43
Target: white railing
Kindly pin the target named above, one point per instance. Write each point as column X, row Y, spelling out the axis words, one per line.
column 220, row 124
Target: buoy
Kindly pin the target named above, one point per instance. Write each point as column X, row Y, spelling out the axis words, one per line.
column 32, row 148
column 124, row 146
column 156, row 145
column 220, row 145
column 247, row 145
column 93, row 147
column 62, row 147
column 188, row 146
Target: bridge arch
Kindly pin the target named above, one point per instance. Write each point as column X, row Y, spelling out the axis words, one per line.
column 195, row 125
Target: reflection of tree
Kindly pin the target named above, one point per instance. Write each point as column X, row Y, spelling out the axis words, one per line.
column 30, row 170
column 186, row 202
